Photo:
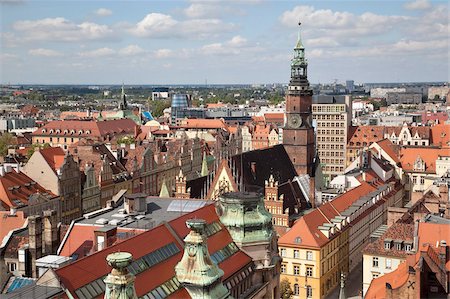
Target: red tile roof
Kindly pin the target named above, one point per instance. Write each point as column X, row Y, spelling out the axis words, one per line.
column 399, row 231
column 440, row 135
column 92, row 267
column 307, row 226
column 193, row 123
column 274, row 118
column 83, row 128
column 365, row 135
column 16, row 189
column 9, row 222
column 391, row 149
column 428, row 154
column 54, row 156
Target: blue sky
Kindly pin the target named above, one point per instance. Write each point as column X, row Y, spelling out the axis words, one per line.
column 234, row 41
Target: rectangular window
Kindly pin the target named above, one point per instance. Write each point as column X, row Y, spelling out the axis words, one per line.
column 296, row 254
column 283, row 268
column 309, row 292
column 375, row 262
column 388, row 263
column 309, row 271
column 296, row 270
column 283, row 251
column 408, row 247
column 309, row 255
column 12, row 267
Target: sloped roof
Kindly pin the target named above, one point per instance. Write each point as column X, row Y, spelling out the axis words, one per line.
column 273, row 160
column 90, row 268
column 428, row 154
column 16, row 189
column 54, row 156
column 365, row 134
column 194, row 123
column 9, row 222
column 399, row 231
column 440, row 135
column 307, row 226
column 391, row 149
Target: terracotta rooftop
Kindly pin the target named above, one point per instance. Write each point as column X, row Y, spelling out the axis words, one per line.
column 54, row 156
column 16, row 188
column 398, row 231
column 307, row 226
column 440, row 135
column 391, row 149
column 429, row 155
column 274, row 118
column 193, row 123
column 365, row 135
column 9, row 222
column 90, row 268
column 422, row 132
column 87, row 128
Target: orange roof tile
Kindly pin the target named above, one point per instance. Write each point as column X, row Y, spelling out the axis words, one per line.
column 274, row 117
column 307, row 226
column 440, row 135
column 9, row 222
column 193, row 123
column 391, row 149
column 365, row 135
column 54, row 156
column 429, row 155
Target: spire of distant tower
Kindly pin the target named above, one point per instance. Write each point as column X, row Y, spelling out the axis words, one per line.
column 299, row 84
column 123, row 104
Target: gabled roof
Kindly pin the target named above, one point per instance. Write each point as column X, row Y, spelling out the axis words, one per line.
column 16, row 189
column 390, row 149
column 307, row 226
column 93, row 267
column 398, row 231
column 9, row 222
column 193, row 123
column 428, row 154
column 365, row 134
column 273, row 160
column 54, row 156
column 440, row 135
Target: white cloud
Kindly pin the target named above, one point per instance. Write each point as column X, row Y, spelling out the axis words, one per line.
column 340, row 24
column 101, row 52
column 163, row 53
column 154, row 24
column 103, row 12
column 234, row 46
column 44, row 52
column 163, row 25
column 131, row 50
column 61, row 29
column 418, row 5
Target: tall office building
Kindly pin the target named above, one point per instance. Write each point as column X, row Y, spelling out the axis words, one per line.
column 298, row 133
column 332, row 115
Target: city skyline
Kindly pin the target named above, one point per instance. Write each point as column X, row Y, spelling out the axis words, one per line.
column 237, row 42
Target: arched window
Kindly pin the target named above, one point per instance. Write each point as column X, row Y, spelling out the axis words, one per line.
column 296, row 289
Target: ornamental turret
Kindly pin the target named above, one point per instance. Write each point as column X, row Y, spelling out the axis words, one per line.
column 299, row 84
column 198, row 274
column 119, row 283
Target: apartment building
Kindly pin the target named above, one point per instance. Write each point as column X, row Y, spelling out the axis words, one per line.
column 332, row 115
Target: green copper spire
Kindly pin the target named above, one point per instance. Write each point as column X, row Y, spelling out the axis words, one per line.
column 299, row 84
column 299, row 51
column 196, row 271
column 164, row 190
column 205, row 171
column 119, row 283
column 299, row 44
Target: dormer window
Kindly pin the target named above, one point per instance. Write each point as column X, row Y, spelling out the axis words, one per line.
column 80, row 132
column 419, row 164
column 387, row 244
column 44, row 130
column 72, row 132
column 66, row 131
column 58, row 131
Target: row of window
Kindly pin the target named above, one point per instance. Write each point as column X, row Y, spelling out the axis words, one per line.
column 330, row 139
column 331, row 153
column 309, row 290
column 308, row 272
column 333, row 168
column 330, row 146
column 330, row 117
column 309, row 254
column 331, row 161
column 328, row 108
column 332, row 132
column 164, row 290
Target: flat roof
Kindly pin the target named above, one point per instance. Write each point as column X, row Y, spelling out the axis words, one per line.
column 157, row 211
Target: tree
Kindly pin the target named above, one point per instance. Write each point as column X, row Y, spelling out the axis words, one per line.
column 158, row 107
column 285, row 289
column 33, row 147
column 5, row 141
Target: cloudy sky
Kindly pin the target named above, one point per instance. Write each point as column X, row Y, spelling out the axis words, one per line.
column 233, row 41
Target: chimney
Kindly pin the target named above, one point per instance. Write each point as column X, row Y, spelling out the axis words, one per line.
column 35, row 240
column 50, row 232
column 120, row 283
column 105, row 237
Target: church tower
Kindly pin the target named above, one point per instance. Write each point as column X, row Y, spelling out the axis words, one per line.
column 298, row 133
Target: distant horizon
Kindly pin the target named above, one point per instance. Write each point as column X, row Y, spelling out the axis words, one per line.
column 212, row 84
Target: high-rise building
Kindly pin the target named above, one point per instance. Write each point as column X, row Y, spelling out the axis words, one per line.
column 332, row 115
column 298, row 133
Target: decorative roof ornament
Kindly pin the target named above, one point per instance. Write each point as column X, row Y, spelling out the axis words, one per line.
column 342, row 290
column 196, row 271
column 120, row 283
column 164, row 190
column 299, row 44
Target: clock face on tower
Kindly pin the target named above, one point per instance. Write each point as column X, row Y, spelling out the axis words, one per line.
column 294, row 121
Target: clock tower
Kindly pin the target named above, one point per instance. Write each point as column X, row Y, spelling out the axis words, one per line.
column 298, row 133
